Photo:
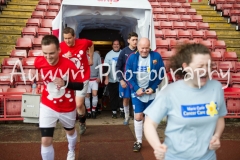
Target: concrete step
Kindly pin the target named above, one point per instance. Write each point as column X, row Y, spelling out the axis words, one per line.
column 6, row 48
column 221, row 26
column 15, row 16
column 9, row 39
column 214, row 19
column 231, row 43
column 237, row 50
column 23, row 2
column 202, row 7
column 207, row 13
column 13, row 30
column 19, row 8
column 226, row 34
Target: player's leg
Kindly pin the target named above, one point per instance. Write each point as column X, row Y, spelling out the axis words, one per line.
column 94, row 98
column 80, row 99
column 47, row 122
column 125, row 93
column 87, row 100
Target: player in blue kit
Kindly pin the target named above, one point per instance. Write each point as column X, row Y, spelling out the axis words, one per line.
column 195, row 108
column 124, row 89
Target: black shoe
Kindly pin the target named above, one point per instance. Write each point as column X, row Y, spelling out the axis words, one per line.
column 89, row 115
column 137, row 146
column 99, row 112
column 114, row 116
column 122, row 115
column 94, row 115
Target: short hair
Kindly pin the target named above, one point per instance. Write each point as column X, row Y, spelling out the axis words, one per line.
column 184, row 54
column 50, row 39
column 68, row 30
column 132, row 34
column 116, row 40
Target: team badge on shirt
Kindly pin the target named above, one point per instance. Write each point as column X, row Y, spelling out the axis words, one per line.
column 200, row 110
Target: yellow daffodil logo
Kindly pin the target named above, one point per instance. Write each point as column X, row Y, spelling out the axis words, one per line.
column 211, row 109
column 154, row 61
column 148, row 69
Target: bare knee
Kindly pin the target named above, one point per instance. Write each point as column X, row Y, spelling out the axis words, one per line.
column 138, row 116
column 47, row 141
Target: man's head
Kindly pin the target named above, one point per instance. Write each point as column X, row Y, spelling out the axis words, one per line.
column 116, row 45
column 144, row 47
column 69, row 36
column 50, row 49
column 132, row 40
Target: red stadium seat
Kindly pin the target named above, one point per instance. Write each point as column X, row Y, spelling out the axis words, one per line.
column 186, row 18
column 43, row 31
column 18, row 53
column 176, row 5
column 197, row 18
column 165, row 4
column 9, row 62
column 159, row 34
column 154, row 4
column 198, row 35
column 237, row 66
column 225, row 66
column 233, row 107
column 28, row 62
column 191, row 11
column 184, row 34
column 165, row 25
column 170, row 34
column 219, row 46
column 179, row 25
column 169, row 10
column 221, row 77
column 211, row 35
column 156, row 24
column 216, row 56
column 186, row 5
column 53, row 8
column 203, row 26
column 235, row 78
column 191, row 25
column 158, row 11
column 230, row 1
column 166, row 55
column 35, row 53
column 55, row 2
column 173, row 17
column 162, row 17
column 236, row 6
column 207, row 43
column 180, row 11
column 29, row 31
column 5, row 79
column 162, row 44
column 43, row 2
column 33, row 22
column 37, row 43
column 24, row 43
column 50, row 15
column 38, row 14
column 234, row 12
column 230, row 56
column 46, row 23
column 41, row 8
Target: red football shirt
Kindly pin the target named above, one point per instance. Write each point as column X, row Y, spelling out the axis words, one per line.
column 79, row 55
column 58, row 99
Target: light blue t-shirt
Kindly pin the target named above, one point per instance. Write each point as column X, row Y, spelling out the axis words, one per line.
column 143, row 74
column 111, row 59
column 192, row 115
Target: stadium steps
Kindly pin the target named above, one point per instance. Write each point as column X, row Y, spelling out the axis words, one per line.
column 219, row 24
column 12, row 20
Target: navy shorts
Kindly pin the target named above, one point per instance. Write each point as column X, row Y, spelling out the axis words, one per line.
column 138, row 105
column 124, row 92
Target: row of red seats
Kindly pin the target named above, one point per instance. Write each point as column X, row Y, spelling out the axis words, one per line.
column 234, row 19
column 170, row 44
column 49, row 8
column 188, row 11
column 181, row 18
column 44, row 15
column 189, row 34
column 232, row 66
column 35, row 31
column 179, row 1
column 170, row 5
column 18, row 53
column 50, row 2
column 41, row 23
column 215, row 2
column 26, row 63
column 162, row 25
column 220, row 7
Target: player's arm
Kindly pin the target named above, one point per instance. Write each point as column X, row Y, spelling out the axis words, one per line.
column 91, row 51
column 120, row 65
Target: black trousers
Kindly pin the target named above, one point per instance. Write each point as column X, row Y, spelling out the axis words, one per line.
column 115, row 101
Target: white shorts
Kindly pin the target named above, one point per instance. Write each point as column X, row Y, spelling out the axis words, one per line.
column 48, row 118
column 83, row 92
column 93, row 85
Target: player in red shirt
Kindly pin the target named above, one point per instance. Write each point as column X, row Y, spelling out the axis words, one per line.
column 76, row 51
column 60, row 77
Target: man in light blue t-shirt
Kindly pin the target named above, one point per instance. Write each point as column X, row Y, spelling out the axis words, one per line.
column 111, row 80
